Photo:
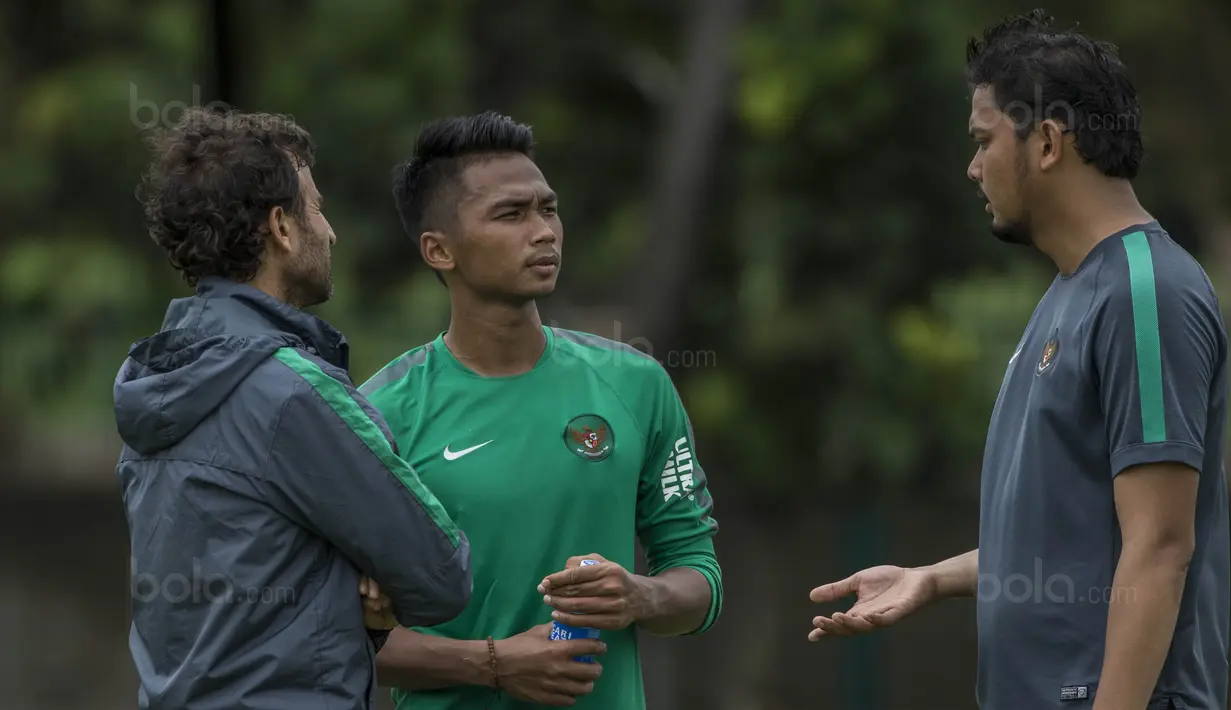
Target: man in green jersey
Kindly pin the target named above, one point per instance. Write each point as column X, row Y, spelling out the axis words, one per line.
column 545, row 445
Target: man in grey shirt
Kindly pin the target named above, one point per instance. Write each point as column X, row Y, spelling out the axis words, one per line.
column 1102, row 572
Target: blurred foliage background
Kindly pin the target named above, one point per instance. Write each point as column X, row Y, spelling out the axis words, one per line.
column 769, row 196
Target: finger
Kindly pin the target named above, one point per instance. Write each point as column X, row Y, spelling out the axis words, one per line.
column 816, row 635
column 836, row 590
column 570, row 687
column 575, row 648
column 830, row 627
column 855, row 624
column 363, row 586
column 606, row 622
column 886, row 617
column 586, row 605
column 580, row 673
column 373, row 590
column 605, row 586
column 575, row 575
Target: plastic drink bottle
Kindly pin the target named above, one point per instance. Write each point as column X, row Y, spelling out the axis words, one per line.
column 564, row 632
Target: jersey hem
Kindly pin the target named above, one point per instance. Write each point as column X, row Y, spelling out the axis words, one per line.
column 1183, row 452
column 715, row 608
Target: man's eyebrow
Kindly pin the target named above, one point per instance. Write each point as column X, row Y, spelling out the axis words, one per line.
column 511, row 202
column 522, row 201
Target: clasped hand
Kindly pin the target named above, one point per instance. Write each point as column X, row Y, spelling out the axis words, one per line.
column 531, row 666
column 377, row 609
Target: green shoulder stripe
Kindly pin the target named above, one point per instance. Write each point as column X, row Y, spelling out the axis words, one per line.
column 348, row 410
column 1145, row 330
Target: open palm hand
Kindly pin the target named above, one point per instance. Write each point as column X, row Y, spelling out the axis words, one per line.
column 884, row 595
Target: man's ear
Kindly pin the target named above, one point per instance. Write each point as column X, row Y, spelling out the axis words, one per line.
column 279, row 231
column 1051, row 144
column 436, row 250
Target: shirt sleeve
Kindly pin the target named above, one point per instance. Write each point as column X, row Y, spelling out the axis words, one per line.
column 674, row 520
column 333, row 470
column 1156, row 345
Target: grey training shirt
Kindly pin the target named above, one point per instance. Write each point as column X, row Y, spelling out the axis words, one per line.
column 1123, row 363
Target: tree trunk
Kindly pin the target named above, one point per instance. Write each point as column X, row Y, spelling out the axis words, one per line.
column 686, row 158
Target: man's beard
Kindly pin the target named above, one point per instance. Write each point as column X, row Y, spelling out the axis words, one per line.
column 309, row 278
column 1015, row 232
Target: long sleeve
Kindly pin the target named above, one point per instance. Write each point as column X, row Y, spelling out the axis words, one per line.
column 333, row 469
column 674, row 506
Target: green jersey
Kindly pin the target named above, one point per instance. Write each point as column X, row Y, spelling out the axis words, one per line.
column 588, row 452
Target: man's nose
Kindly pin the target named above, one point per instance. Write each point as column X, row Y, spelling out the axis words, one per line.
column 544, row 232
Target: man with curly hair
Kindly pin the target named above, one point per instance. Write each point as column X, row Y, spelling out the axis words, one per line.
column 260, row 487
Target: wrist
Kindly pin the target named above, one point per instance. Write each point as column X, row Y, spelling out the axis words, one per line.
column 643, row 601
column 498, row 663
column 932, row 582
column 482, row 663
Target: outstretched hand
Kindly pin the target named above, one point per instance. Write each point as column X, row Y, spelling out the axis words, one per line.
column 884, row 595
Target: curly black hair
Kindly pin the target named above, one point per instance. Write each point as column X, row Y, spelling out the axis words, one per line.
column 214, row 177
column 1037, row 73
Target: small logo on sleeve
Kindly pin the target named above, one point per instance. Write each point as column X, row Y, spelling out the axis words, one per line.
column 590, row 437
column 1050, row 351
column 1075, row 692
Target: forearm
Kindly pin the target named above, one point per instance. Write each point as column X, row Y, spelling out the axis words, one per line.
column 1142, row 609
column 416, row 661
column 955, row 577
column 674, row 602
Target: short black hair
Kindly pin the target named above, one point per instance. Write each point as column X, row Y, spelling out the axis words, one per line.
column 213, row 179
column 425, row 187
column 1036, row 72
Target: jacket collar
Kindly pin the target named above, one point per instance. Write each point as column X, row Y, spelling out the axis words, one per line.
column 222, row 306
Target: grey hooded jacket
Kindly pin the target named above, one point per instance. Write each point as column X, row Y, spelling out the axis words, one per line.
column 258, row 485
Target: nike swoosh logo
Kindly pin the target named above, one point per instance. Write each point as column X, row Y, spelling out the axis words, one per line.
column 454, row 455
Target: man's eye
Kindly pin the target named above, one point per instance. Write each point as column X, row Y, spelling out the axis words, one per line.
column 551, row 209
column 508, row 215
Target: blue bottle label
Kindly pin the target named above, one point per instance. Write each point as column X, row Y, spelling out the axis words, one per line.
column 565, row 632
